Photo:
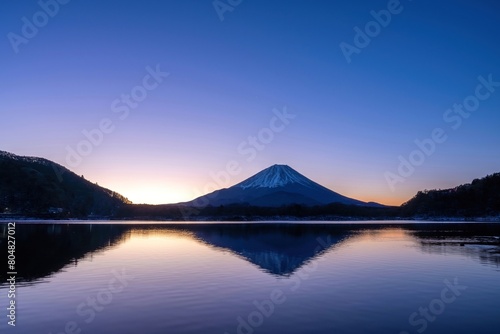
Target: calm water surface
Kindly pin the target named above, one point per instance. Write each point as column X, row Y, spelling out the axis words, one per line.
column 260, row 278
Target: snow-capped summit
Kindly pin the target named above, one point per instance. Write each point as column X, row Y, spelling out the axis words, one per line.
column 275, row 176
column 277, row 185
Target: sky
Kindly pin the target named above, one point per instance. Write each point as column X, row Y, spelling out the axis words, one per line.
column 163, row 101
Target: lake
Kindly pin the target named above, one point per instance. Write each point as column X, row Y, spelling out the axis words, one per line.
column 225, row 278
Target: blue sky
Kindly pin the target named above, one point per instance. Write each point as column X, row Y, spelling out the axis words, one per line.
column 351, row 121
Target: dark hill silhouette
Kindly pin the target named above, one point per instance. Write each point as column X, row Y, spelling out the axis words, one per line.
column 38, row 187
column 477, row 199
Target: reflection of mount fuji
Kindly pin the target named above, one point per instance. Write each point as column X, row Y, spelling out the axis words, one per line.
column 276, row 249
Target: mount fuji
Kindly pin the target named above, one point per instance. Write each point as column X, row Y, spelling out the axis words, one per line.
column 274, row 186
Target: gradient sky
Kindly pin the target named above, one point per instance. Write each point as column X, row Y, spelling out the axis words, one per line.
column 353, row 120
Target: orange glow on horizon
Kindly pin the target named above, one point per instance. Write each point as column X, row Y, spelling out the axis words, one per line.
column 385, row 200
column 155, row 195
column 155, row 186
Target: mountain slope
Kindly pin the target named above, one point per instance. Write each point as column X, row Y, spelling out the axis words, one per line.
column 36, row 186
column 277, row 185
column 476, row 199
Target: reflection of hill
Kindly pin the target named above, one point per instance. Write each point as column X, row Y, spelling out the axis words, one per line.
column 277, row 249
column 478, row 241
column 43, row 249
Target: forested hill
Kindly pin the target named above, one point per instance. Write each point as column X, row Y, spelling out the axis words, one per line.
column 477, row 199
column 36, row 186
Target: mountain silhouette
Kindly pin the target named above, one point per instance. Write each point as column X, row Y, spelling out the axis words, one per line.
column 277, row 185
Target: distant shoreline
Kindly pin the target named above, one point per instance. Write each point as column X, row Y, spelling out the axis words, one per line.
column 272, row 220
